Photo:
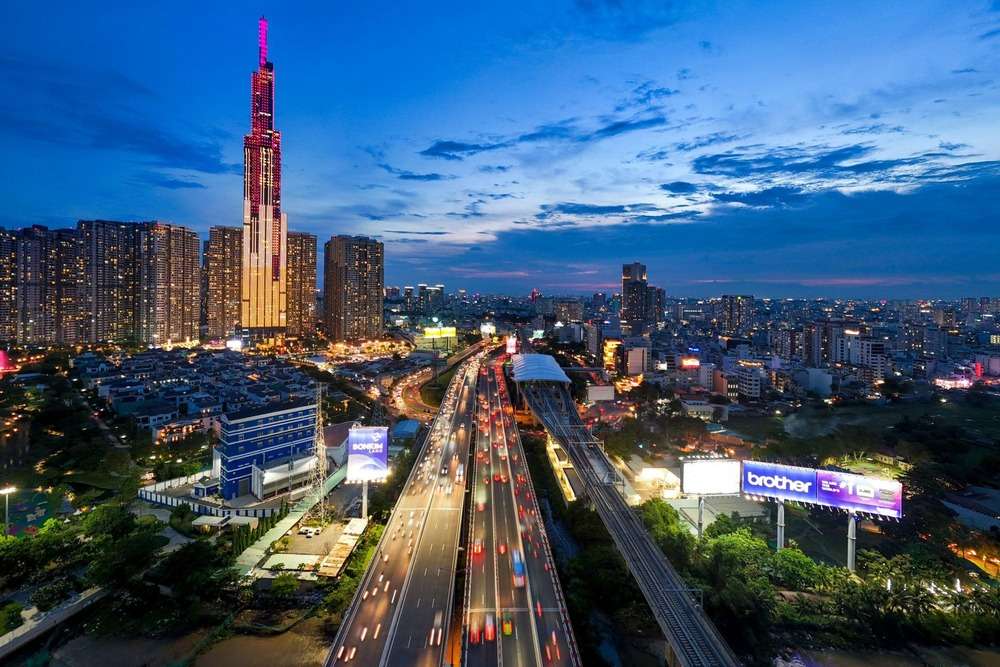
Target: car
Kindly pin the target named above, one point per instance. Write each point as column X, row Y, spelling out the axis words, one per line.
column 502, row 548
column 491, row 629
column 497, row 477
column 437, row 630
column 477, row 546
column 507, row 624
column 475, row 632
column 504, row 478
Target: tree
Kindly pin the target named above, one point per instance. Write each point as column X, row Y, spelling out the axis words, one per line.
column 110, row 520
column 48, row 596
column 792, row 569
column 10, row 617
column 118, row 562
column 284, row 587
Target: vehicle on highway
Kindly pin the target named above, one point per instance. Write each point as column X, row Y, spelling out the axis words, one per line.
column 491, row 628
column 507, row 624
column 477, row 546
column 517, row 566
column 460, row 473
column 437, row 631
column 502, row 548
column 475, row 631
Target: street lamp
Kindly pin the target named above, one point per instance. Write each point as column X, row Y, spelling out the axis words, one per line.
column 5, row 492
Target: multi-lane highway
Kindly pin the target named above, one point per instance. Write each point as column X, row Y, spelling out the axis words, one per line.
column 401, row 612
column 514, row 610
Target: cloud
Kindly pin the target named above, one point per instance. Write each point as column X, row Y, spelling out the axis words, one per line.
column 990, row 34
column 57, row 104
column 708, row 140
column 406, row 175
column 573, row 208
column 875, row 128
column 965, row 70
column 419, row 233
column 679, row 187
column 775, row 196
column 565, row 130
column 456, row 150
column 818, row 161
column 644, row 95
column 494, row 168
column 169, row 182
column 628, row 20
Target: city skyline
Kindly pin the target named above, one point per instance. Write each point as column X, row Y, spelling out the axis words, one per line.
column 579, row 137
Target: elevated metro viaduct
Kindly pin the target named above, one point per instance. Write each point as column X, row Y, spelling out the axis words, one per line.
column 693, row 639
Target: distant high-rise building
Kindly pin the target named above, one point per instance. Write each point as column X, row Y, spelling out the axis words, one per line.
column 634, row 297
column 169, row 284
column 263, row 309
column 353, row 288
column 223, row 254
column 736, row 315
column 301, row 284
column 656, row 304
column 203, row 281
column 8, row 285
column 109, row 289
column 47, row 272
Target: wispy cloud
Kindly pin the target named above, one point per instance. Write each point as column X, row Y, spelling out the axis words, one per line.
column 56, row 104
column 406, row 175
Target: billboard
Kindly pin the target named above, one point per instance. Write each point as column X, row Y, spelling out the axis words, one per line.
column 847, row 491
column 511, row 344
column 367, row 453
column 488, row 329
column 779, row 481
column 710, row 477
column 690, row 363
column 831, row 488
column 440, row 332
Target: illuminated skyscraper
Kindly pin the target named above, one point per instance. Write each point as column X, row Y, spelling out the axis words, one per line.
column 353, row 288
column 8, row 285
column 169, row 284
column 109, row 280
column 263, row 297
column 48, row 276
column 737, row 313
column 301, row 284
column 223, row 254
column 634, row 297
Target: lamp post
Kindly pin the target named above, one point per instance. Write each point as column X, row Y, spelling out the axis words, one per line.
column 5, row 492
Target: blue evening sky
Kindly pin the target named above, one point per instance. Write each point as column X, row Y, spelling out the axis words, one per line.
column 779, row 148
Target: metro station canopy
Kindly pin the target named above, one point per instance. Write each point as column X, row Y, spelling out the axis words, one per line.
column 537, row 368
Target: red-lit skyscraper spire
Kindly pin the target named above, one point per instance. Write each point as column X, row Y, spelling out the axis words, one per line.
column 264, row 226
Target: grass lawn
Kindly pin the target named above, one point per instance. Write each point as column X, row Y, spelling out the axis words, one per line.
column 759, row 428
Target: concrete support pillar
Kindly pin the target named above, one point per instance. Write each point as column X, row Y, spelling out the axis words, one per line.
column 701, row 514
column 781, row 525
column 364, row 499
column 852, row 538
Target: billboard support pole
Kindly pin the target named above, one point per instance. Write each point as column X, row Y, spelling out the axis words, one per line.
column 781, row 525
column 364, row 499
column 701, row 514
column 852, row 538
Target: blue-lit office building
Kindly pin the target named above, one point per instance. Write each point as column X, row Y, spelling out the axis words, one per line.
column 266, row 450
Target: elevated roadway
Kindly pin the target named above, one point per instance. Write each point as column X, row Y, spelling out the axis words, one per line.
column 693, row 639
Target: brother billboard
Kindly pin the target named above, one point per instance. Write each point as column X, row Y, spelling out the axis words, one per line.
column 367, row 453
column 831, row 488
column 710, row 477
